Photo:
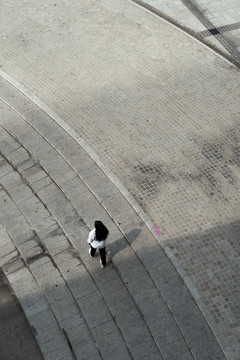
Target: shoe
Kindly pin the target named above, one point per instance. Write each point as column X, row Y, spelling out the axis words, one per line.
column 89, row 250
column 102, row 266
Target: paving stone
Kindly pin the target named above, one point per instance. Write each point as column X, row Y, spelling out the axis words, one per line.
column 69, row 265
column 184, row 356
column 7, row 205
column 52, row 196
column 34, row 173
column 73, row 271
column 17, row 339
column 7, row 249
column 51, row 346
column 74, row 229
column 95, row 179
column 28, row 245
column 29, row 293
column 31, row 254
column 42, row 183
column 34, row 209
column 152, row 356
column 13, row 266
column 9, row 257
column 113, row 347
column 67, row 259
column 33, row 306
column 57, row 293
column 201, row 332
column 65, row 312
column 47, row 275
column 82, row 287
column 5, row 168
column 19, row 160
column 205, row 349
column 147, row 147
column 172, row 346
column 139, row 341
column 96, row 319
column 67, row 213
column 56, row 244
column 9, row 145
column 79, row 238
column 72, row 321
column 59, row 304
column 122, row 303
column 110, row 277
column 17, row 279
column 82, row 164
column 45, row 326
column 21, row 192
column 25, row 165
column 31, row 171
column 74, row 186
column 53, row 278
column 21, row 232
column 20, row 151
column 82, row 343
column 4, row 237
column 42, row 225
column 115, row 204
column 39, row 261
column 58, row 354
column 141, row 240
column 52, row 230
column 11, row 180
column 88, row 299
column 18, row 229
column 3, row 133
column 82, row 202
column 125, row 216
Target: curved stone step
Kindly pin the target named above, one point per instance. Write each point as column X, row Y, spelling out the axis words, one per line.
column 68, row 165
column 36, row 285
column 66, row 215
column 39, row 314
column 46, row 252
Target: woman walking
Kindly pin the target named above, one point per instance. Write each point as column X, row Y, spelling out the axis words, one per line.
column 97, row 240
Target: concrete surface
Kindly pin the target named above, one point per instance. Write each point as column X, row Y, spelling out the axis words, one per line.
column 16, row 338
column 161, row 111
column 137, row 307
column 215, row 22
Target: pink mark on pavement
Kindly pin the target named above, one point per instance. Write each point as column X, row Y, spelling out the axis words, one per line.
column 158, row 230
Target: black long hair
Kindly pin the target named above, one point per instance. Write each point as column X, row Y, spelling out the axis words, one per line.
column 101, row 230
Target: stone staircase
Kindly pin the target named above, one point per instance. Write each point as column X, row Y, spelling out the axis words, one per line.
column 51, row 193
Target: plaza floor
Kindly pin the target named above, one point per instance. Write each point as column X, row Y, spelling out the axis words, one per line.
column 158, row 112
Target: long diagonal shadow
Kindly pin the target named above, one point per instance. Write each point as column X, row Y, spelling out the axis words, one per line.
column 120, row 244
column 199, row 14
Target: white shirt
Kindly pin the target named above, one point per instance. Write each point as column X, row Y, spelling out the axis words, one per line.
column 94, row 242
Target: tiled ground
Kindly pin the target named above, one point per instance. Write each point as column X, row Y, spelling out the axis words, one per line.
column 221, row 18
column 161, row 110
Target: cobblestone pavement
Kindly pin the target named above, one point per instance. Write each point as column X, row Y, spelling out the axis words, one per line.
column 161, row 110
column 217, row 22
column 51, row 190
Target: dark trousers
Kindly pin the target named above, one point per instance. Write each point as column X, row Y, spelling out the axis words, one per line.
column 102, row 253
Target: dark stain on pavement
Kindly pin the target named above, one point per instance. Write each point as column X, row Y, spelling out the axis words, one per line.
column 150, row 176
column 213, row 166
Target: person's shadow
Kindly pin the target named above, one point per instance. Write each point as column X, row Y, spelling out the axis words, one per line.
column 123, row 242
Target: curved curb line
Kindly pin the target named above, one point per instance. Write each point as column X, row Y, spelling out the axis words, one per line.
column 122, row 189
column 187, row 31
